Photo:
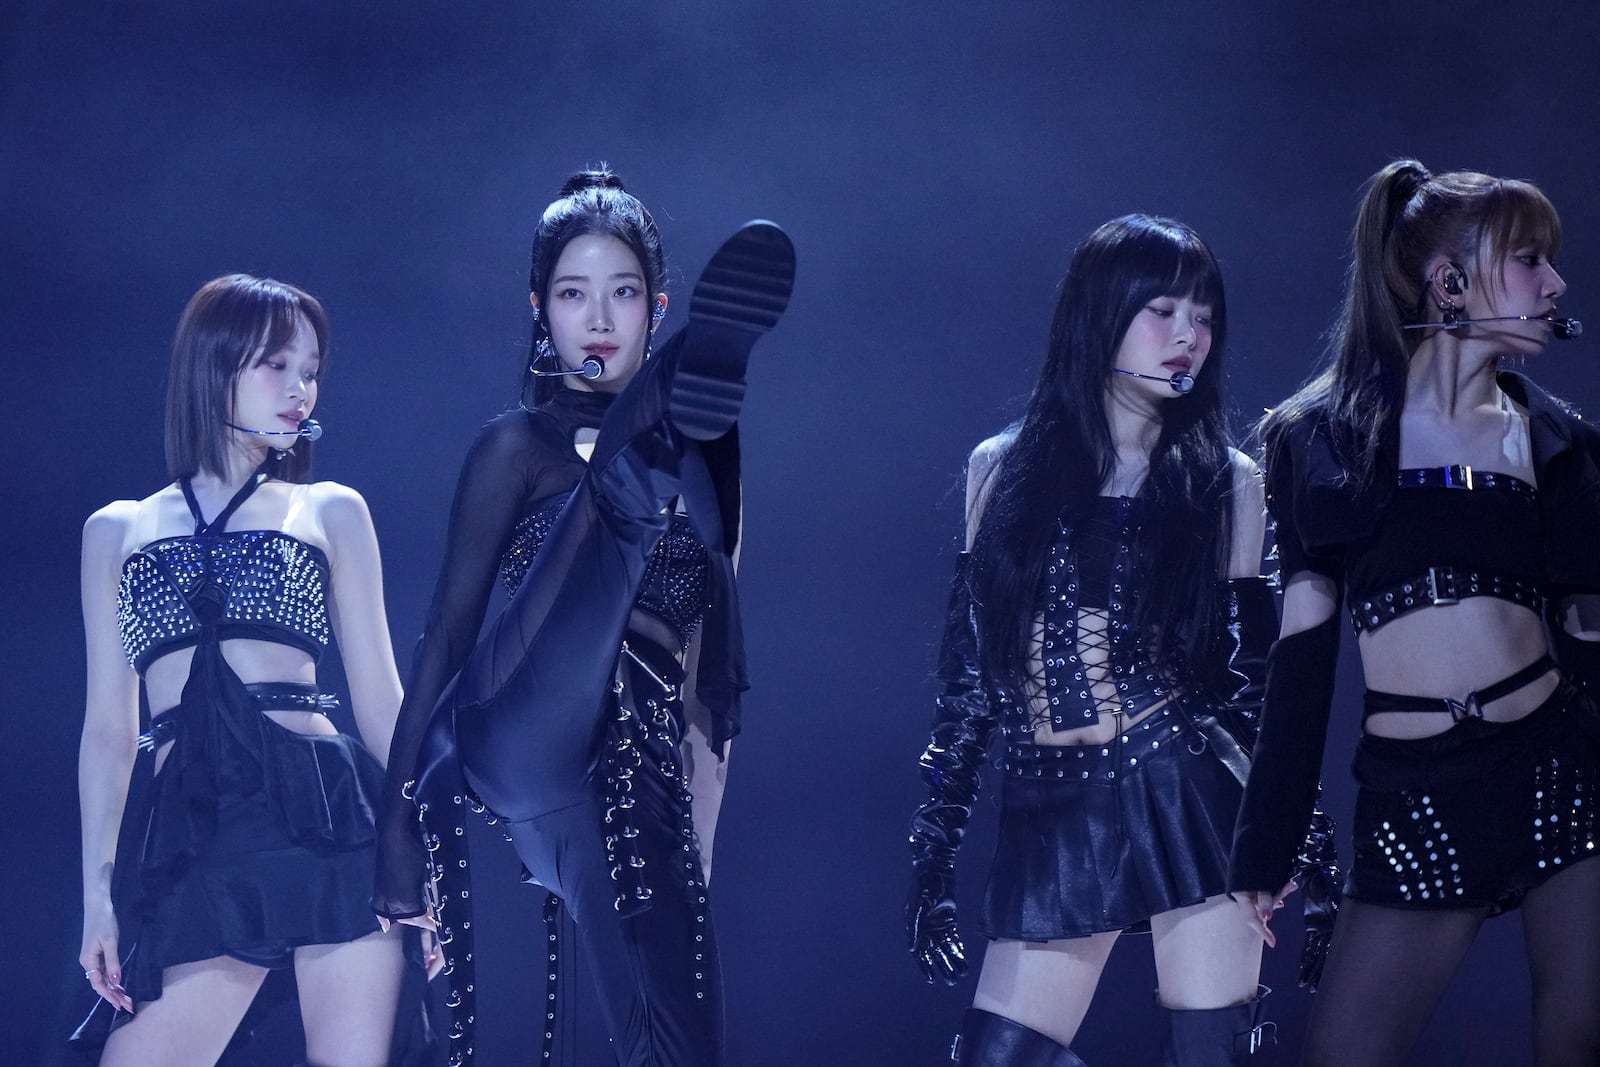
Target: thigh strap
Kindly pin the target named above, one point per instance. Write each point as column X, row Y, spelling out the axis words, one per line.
column 1376, row 701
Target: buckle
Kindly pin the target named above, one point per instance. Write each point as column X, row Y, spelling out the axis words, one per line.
column 1458, row 476
column 1437, row 581
column 1260, row 1036
column 1461, row 710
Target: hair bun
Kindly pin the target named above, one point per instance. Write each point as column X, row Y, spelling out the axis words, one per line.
column 591, row 179
column 1405, row 177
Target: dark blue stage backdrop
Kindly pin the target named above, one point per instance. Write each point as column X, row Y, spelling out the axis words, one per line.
column 935, row 163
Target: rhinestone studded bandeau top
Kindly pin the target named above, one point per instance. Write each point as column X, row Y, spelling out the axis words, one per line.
column 261, row 584
column 675, row 584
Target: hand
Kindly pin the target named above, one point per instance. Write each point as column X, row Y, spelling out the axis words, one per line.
column 99, row 958
column 931, row 929
column 432, row 951
column 1257, row 908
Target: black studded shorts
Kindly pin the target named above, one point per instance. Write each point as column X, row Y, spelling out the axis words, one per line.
column 1101, row 837
column 1480, row 814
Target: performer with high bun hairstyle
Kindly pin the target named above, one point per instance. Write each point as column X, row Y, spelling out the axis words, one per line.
column 1451, row 506
column 1109, row 620
column 593, row 716
column 217, row 595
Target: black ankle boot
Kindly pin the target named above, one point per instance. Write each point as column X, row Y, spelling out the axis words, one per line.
column 1216, row 1037
column 741, row 294
column 990, row 1040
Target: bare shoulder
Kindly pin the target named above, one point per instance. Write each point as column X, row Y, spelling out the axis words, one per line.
column 981, row 466
column 1247, row 480
column 984, row 459
column 106, row 532
column 340, row 509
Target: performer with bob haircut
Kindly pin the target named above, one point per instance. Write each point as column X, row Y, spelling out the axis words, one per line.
column 218, row 595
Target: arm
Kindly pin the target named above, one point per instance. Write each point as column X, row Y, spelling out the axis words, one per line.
column 489, row 495
column 360, row 624
column 1287, row 763
column 1577, row 639
column 963, row 726
column 1297, row 694
column 1249, row 518
column 107, row 749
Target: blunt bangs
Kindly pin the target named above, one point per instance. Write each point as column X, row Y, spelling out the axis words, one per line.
column 1517, row 214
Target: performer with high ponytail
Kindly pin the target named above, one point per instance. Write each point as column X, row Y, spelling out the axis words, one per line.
column 1451, row 507
column 218, row 594
column 1110, row 621
column 593, row 717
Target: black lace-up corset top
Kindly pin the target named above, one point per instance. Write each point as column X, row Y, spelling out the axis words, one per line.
column 675, row 586
column 1094, row 564
column 261, row 584
column 1445, row 534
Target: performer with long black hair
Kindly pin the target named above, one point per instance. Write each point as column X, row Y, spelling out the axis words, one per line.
column 1452, row 507
column 1109, row 619
column 594, row 715
column 217, row 595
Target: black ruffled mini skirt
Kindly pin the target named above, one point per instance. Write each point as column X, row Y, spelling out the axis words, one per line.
column 1480, row 814
column 1096, row 838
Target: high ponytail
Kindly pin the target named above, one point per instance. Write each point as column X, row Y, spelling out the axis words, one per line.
column 1406, row 217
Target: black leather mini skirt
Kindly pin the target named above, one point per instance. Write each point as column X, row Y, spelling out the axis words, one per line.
column 1096, row 838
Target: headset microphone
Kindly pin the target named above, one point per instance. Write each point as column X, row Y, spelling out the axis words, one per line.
column 1562, row 329
column 1181, row 382
column 590, row 369
column 310, row 429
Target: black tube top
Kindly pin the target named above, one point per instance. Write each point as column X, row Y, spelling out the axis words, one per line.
column 261, row 584
column 1479, row 527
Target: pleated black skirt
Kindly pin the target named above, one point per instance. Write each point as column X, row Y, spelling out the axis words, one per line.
column 1096, row 838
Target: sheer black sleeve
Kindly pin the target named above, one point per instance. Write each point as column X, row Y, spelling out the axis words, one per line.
column 510, row 462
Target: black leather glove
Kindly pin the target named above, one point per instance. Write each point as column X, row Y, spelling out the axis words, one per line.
column 1318, row 875
column 963, row 726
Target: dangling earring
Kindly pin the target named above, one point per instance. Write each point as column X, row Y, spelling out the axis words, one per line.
column 543, row 352
column 658, row 311
column 1448, row 312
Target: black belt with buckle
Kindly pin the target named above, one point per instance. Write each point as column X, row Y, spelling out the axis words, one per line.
column 1441, row 585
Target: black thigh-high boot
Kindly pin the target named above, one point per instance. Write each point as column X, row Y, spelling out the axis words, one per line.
column 990, row 1040
column 1216, row 1037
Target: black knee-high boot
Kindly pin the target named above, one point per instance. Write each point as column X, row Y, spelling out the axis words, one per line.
column 990, row 1040
column 1216, row 1037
